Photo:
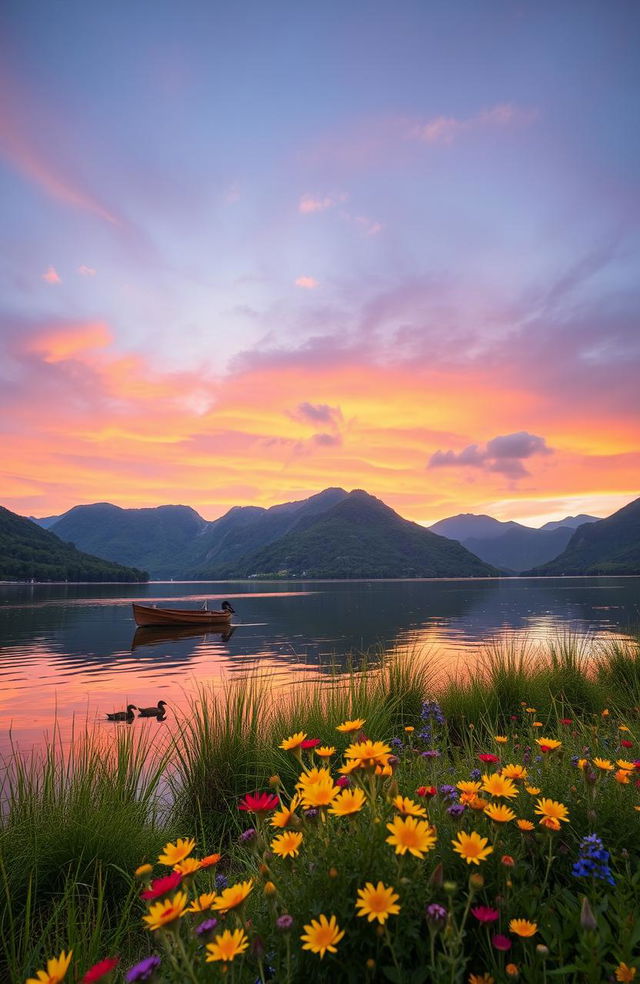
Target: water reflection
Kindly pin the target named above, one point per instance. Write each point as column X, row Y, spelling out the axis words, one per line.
column 73, row 649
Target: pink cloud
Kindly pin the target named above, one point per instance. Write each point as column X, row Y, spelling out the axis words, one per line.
column 445, row 129
column 309, row 204
column 51, row 276
column 307, row 283
column 86, row 271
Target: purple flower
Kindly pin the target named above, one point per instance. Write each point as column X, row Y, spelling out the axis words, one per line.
column 144, row 970
column 206, row 927
column 456, row 809
column 284, row 923
column 247, row 835
column 311, row 814
column 449, row 791
column 432, row 753
column 501, row 942
column 221, row 882
column 436, row 915
column 475, row 774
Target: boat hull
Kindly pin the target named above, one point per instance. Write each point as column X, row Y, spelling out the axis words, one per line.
column 145, row 616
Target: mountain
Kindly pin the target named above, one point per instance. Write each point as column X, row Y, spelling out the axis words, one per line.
column 609, row 546
column 357, row 536
column 509, row 546
column 572, row 521
column 27, row 551
column 154, row 538
column 46, row 522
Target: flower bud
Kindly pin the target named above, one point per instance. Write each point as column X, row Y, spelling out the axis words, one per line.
column 542, row 950
column 476, row 880
column 270, row 889
column 587, row 918
column 450, row 887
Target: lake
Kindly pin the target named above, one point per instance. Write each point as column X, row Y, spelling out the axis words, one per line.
column 72, row 651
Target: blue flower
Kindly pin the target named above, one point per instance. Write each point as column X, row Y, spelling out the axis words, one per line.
column 593, row 860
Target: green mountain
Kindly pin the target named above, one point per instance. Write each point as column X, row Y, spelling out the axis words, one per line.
column 27, row 551
column 358, row 536
column 610, row 546
column 156, row 539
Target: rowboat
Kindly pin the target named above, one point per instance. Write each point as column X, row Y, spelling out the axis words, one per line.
column 145, row 616
column 156, row 635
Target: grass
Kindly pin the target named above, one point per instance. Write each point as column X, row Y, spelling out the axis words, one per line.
column 79, row 817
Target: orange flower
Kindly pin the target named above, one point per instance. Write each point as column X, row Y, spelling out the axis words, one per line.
column 624, row 972
column 522, row 927
column 348, row 726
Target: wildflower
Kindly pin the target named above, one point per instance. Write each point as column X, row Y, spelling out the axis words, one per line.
column 501, row 739
column 248, row 835
column 523, row 927
column 472, row 847
column 57, row 967
column 499, row 813
column 624, row 972
column 426, row 791
column 605, row 713
column 100, row 970
column 294, row 741
column 205, row 927
column 548, row 744
column 326, row 751
column 287, row 845
column 507, row 861
column 234, row 896
column 347, row 802
column 309, row 743
column 319, row 794
column 485, row 914
column 512, row 970
column 343, row 782
column 409, row 729
column 407, row 807
column 377, row 903
column 475, row 802
column 210, row 860
column 431, row 753
column 410, row 834
column 349, row 726
column 436, row 915
column 369, row 753
column 481, row 979
column 143, row 971
column 622, row 777
column 524, row 825
column 626, row 743
column 187, row 867
column 514, row 772
column 537, row 724
column 284, row 922
column 468, row 787
column 165, row 912
column 227, row 946
column 488, row 758
column 566, row 720
column 603, row 764
column 501, row 942
column 174, row 853
column 162, row 886
column 270, row 889
column 497, row 785
column 456, row 810
column 624, row 764
column 593, row 860
column 285, row 816
column 321, row 935
column 259, row 802
column 203, row 903
column 533, row 790
column 552, row 809
column 144, row 869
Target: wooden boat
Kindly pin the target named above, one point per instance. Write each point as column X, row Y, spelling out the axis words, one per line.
column 145, row 616
column 156, row 635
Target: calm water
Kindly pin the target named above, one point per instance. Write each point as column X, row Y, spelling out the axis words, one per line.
column 72, row 650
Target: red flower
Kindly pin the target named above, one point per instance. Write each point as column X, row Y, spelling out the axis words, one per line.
column 426, row 791
column 310, row 743
column 343, row 782
column 501, row 942
column 259, row 802
column 626, row 743
column 100, row 970
column 566, row 720
column 162, row 886
column 485, row 914
column 636, row 764
column 488, row 757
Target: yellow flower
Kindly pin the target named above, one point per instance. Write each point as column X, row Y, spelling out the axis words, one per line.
column 227, row 946
column 623, row 972
column 500, row 813
column 553, row 809
column 472, row 847
column 533, row 790
column 409, row 834
column 293, row 742
column 514, row 772
column 548, row 744
column 203, row 903
column 321, row 935
column 530, row 710
column 622, row 776
column 325, row 751
column 167, row 911
column 377, row 903
column 551, row 823
column 627, row 766
column 583, row 763
column 605, row 713
column 501, row 739
column 287, row 845
column 174, row 853
column 188, row 866
column 57, row 967
column 283, row 817
column 409, row 728
column 623, row 727
column 497, row 785
column 144, row 869
column 232, row 897
column 351, row 766
column 347, row 802
column 522, row 927
column 408, row 808
column 525, row 825
column 319, row 794
column 466, row 786
column 369, row 753
column 383, row 770
column 603, row 764
column 354, row 725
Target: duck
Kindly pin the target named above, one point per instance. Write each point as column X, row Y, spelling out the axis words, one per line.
column 127, row 715
column 148, row 712
column 226, row 607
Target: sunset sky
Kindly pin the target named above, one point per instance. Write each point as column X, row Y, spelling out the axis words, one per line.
column 251, row 250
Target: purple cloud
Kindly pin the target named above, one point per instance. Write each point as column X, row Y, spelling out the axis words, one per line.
column 503, row 454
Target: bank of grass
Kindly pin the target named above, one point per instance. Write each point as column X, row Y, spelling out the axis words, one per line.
column 80, row 817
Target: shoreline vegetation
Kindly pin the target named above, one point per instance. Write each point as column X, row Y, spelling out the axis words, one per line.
column 476, row 829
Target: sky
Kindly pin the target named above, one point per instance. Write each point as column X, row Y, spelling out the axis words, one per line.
column 249, row 251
